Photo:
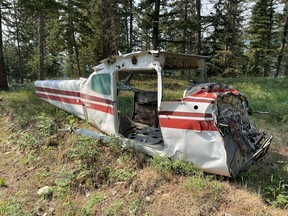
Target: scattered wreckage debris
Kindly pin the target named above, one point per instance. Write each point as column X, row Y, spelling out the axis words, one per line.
column 85, row 132
column 209, row 126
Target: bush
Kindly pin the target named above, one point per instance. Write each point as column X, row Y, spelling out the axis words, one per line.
column 205, row 187
column 177, row 167
column 276, row 190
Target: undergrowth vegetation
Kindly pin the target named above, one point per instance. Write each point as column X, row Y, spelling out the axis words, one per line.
column 90, row 177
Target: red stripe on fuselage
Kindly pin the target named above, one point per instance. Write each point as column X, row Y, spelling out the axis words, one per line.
column 204, row 94
column 185, row 114
column 97, row 107
column 60, row 99
column 58, row 91
column 96, row 99
column 212, row 93
column 198, row 100
column 101, row 108
column 188, row 124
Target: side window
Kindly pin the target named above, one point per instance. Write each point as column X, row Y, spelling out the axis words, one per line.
column 101, row 83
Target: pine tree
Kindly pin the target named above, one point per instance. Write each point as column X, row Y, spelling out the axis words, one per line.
column 131, row 17
column 91, row 45
column 150, row 22
column 19, row 43
column 3, row 74
column 74, row 22
column 225, row 39
column 180, row 27
column 40, row 10
column 155, row 32
column 107, row 10
column 199, row 27
column 126, row 34
column 283, row 39
column 260, row 36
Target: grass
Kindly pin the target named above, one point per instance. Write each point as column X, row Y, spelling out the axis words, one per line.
column 265, row 94
column 83, row 173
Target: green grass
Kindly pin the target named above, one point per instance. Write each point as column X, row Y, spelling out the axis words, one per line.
column 264, row 94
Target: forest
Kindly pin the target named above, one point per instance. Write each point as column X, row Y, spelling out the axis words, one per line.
column 66, row 38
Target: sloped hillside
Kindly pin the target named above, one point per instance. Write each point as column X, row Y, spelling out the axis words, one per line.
column 46, row 172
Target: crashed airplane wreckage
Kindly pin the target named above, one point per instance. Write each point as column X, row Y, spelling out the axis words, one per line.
column 209, row 126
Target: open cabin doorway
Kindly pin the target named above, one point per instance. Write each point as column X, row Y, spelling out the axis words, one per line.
column 137, row 107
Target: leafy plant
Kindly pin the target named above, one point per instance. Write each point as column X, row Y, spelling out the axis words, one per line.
column 64, row 177
column 94, row 199
column 2, row 182
column 71, row 120
column 180, row 167
column 273, row 186
column 70, row 209
column 115, row 208
column 10, row 207
column 85, row 150
column 201, row 186
column 134, row 206
column 46, row 125
column 177, row 167
column 161, row 164
column 27, row 140
column 276, row 190
column 121, row 175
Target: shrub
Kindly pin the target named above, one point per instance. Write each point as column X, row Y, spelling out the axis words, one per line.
column 123, row 174
column 204, row 187
column 94, row 199
column 115, row 208
column 178, row 167
column 276, row 190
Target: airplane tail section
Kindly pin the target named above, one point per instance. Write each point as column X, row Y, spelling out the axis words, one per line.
column 64, row 94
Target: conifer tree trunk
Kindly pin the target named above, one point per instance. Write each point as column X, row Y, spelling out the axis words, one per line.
column 283, row 44
column 130, row 25
column 269, row 37
column 76, row 54
column 107, row 28
column 3, row 74
column 20, row 67
column 185, row 27
column 271, row 17
column 199, row 27
column 41, row 45
column 155, row 39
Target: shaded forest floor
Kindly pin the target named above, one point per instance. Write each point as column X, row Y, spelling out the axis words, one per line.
column 88, row 177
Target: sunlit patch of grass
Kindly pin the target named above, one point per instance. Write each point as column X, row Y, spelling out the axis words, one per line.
column 205, row 187
column 271, row 181
column 125, row 103
column 11, row 205
column 174, row 88
column 264, row 94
